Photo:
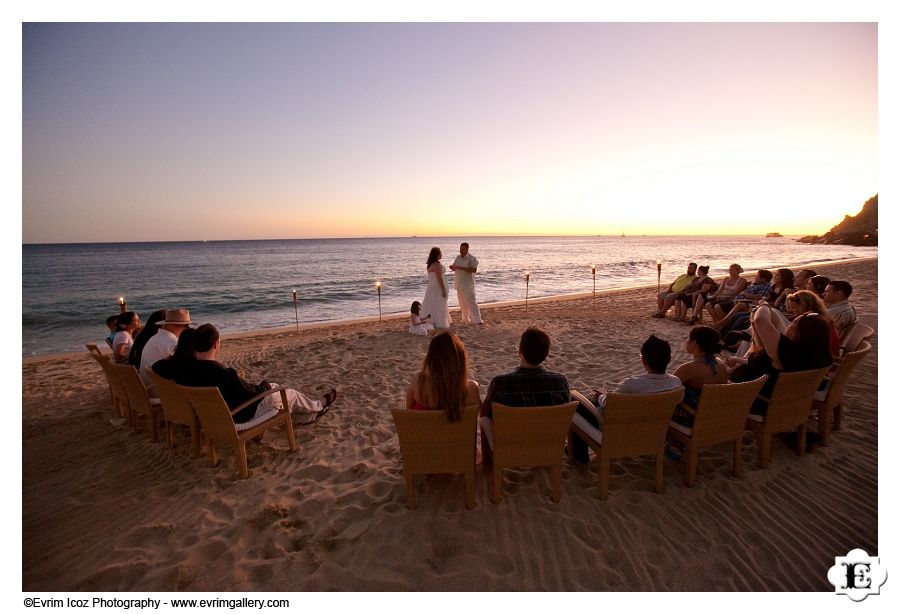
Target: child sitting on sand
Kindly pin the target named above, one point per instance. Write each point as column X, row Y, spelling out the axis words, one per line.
column 419, row 325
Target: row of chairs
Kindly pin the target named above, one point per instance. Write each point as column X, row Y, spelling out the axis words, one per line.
column 633, row 425
column 203, row 410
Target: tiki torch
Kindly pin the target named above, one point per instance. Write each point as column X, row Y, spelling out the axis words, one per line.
column 378, row 288
column 123, row 306
column 658, row 274
column 527, row 278
column 594, row 273
column 296, row 313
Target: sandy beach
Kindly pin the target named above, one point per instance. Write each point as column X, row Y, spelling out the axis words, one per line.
column 105, row 509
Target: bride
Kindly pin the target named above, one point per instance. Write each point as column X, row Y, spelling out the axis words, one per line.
column 435, row 301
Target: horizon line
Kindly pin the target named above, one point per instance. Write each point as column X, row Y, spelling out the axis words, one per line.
column 380, row 237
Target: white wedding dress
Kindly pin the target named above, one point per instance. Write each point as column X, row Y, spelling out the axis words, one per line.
column 435, row 303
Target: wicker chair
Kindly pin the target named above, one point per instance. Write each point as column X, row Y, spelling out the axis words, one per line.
column 854, row 337
column 525, row 437
column 719, row 418
column 139, row 401
column 430, row 444
column 95, row 352
column 218, row 423
column 788, row 410
column 177, row 409
column 633, row 425
column 829, row 402
column 118, row 393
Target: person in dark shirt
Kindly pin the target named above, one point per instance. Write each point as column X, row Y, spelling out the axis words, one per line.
column 529, row 385
column 203, row 370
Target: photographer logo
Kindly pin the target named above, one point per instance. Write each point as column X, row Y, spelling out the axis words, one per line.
column 857, row 575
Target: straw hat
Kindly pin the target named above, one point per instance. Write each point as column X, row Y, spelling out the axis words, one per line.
column 178, row 317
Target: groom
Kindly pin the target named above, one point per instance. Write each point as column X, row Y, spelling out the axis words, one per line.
column 464, row 268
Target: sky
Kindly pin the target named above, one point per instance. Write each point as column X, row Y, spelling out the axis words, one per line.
column 168, row 131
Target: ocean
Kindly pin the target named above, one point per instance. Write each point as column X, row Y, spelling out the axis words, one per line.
column 68, row 290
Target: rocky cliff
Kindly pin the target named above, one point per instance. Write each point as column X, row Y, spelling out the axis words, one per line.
column 860, row 229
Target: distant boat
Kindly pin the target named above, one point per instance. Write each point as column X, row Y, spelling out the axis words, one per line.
column 623, row 234
column 773, row 235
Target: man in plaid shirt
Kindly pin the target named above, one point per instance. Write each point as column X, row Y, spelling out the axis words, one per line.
column 530, row 384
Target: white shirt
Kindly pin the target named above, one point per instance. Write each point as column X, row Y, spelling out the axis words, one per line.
column 645, row 383
column 161, row 345
column 123, row 337
column 464, row 279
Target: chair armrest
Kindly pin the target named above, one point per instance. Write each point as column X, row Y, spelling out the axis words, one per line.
column 261, row 396
column 586, row 403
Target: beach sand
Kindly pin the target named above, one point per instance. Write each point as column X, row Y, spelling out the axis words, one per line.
column 105, row 509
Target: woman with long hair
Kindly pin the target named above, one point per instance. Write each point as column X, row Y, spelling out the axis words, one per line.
column 803, row 302
column 435, row 301
column 126, row 324
column 185, row 351
column 442, row 383
column 782, row 286
column 150, row 328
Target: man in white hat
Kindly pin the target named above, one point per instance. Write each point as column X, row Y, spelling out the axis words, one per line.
column 162, row 344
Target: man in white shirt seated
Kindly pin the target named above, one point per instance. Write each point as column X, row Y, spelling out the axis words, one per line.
column 839, row 308
column 655, row 356
column 162, row 344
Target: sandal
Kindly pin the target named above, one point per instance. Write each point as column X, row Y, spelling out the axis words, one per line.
column 328, row 399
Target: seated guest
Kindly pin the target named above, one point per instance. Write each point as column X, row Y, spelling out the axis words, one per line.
column 205, row 371
column 799, row 303
column 162, row 345
column 655, row 356
column 126, row 324
column 665, row 298
column 705, row 367
column 176, row 363
column 111, row 325
column 442, row 384
column 801, row 279
column 757, row 291
column 530, row 384
column 141, row 338
column 804, row 345
column 739, row 318
column 803, row 302
column 842, row 313
column 783, row 284
column 817, row 284
column 730, row 287
column 684, row 300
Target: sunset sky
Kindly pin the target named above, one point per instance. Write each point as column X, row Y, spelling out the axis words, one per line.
column 136, row 132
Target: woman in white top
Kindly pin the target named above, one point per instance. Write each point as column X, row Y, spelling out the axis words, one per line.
column 730, row 287
column 126, row 324
column 435, row 301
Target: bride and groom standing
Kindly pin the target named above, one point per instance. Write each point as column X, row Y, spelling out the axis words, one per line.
column 435, row 301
